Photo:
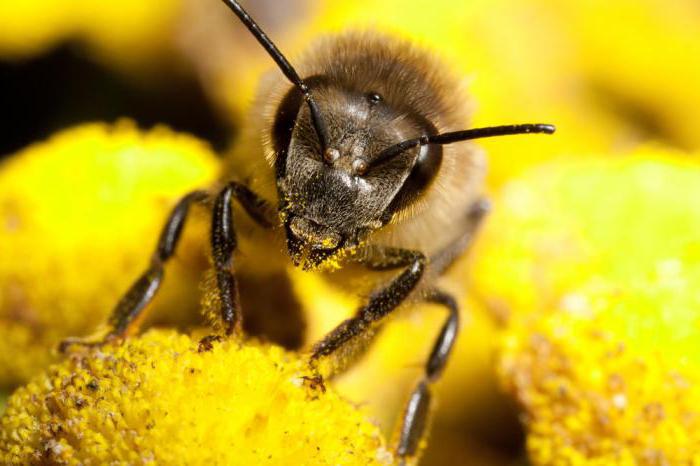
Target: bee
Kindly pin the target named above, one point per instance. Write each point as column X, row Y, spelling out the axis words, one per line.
column 363, row 164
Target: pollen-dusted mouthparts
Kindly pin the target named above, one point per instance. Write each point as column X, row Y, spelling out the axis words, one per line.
column 309, row 244
column 313, row 234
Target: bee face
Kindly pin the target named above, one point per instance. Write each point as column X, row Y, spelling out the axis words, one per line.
column 332, row 200
column 356, row 141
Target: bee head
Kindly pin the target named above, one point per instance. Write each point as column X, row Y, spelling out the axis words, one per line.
column 334, row 190
column 357, row 142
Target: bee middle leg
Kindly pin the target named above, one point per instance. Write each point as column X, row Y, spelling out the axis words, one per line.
column 224, row 243
column 385, row 300
column 414, row 422
column 381, row 303
column 413, row 426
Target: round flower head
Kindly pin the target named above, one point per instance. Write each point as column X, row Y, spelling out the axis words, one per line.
column 79, row 217
column 596, row 266
column 164, row 398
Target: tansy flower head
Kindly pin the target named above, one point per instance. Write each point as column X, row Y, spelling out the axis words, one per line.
column 574, row 222
column 597, row 266
column 79, row 216
column 164, row 398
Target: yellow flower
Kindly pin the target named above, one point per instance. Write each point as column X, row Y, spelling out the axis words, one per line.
column 635, row 59
column 125, row 32
column 611, row 376
column 571, row 223
column 161, row 399
column 597, row 263
column 79, row 217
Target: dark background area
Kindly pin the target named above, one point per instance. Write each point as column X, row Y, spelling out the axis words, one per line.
column 64, row 88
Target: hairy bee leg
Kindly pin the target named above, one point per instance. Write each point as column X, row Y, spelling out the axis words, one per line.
column 413, row 426
column 415, row 418
column 224, row 243
column 381, row 303
column 384, row 301
column 144, row 289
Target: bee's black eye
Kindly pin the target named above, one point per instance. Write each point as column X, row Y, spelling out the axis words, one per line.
column 422, row 175
column 374, row 98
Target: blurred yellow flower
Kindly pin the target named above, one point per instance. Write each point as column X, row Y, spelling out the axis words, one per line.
column 637, row 59
column 597, row 264
column 608, row 76
column 79, row 216
column 611, row 376
column 572, row 223
column 161, row 399
column 126, row 32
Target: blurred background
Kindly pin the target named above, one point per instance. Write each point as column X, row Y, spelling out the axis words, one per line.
column 610, row 76
column 613, row 76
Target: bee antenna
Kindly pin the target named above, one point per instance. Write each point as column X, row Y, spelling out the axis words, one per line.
column 458, row 136
column 285, row 67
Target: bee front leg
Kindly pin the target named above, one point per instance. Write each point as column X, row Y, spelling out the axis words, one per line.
column 224, row 243
column 413, row 426
column 124, row 317
column 385, row 300
column 144, row 289
column 381, row 303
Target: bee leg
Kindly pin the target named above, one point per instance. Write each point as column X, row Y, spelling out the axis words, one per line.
column 381, row 303
column 143, row 290
column 223, row 244
column 413, row 427
column 415, row 416
column 387, row 299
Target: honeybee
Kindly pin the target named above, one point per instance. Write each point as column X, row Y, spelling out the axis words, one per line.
column 362, row 165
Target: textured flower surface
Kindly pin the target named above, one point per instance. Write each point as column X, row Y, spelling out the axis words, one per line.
column 164, row 399
column 79, row 216
column 599, row 271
